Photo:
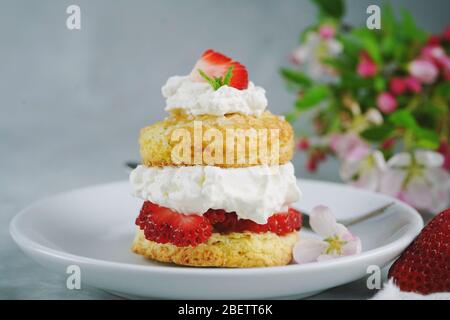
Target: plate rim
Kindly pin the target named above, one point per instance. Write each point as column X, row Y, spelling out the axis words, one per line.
column 27, row 244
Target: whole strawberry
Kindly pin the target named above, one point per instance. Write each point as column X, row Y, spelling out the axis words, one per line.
column 424, row 267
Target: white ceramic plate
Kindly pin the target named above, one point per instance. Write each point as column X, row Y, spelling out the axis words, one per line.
column 94, row 227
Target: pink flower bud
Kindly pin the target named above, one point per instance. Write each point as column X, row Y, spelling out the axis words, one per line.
column 413, row 85
column 446, row 35
column 397, row 86
column 303, row 144
column 433, row 40
column 447, row 75
column 436, row 55
column 444, row 149
column 366, row 66
column 423, row 70
column 311, row 164
column 386, row 102
column 387, row 144
column 327, row 31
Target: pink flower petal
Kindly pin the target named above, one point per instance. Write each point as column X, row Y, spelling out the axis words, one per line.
column 308, row 250
column 418, row 193
column 400, row 160
column 391, row 182
column 429, row 158
column 352, row 247
column 366, row 66
column 327, row 31
column 424, row 70
column 368, row 179
column 378, row 158
column 386, row 102
column 323, row 222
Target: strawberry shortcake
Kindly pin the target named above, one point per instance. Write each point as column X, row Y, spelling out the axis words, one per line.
column 216, row 177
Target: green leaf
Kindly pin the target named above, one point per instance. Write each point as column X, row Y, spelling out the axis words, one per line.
column 403, row 118
column 388, row 19
column 333, row 8
column 426, row 138
column 379, row 84
column 296, row 77
column 291, row 117
column 312, row 97
column 369, row 43
column 377, row 133
column 444, row 90
column 409, row 28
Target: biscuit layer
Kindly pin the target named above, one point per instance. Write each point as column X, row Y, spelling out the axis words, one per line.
column 235, row 250
column 157, row 142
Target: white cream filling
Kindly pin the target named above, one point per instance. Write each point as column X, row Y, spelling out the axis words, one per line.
column 254, row 193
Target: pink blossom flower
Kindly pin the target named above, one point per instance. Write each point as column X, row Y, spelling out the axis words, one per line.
column 436, row 55
column 386, row 102
column 365, row 172
column 349, row 146
column 423, row 70
column 327, row 31
column 311, row 53
column 413, row 85
column 366, row 66
column 397, row 85
column 418, row 179
column 337, row 240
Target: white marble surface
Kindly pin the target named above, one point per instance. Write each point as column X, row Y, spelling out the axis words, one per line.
column 72, row 102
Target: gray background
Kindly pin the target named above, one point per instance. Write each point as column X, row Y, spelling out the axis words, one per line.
column 72, row 102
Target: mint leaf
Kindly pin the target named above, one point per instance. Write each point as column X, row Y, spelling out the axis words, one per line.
column 218, row 82
column 228, row 75
column 211, row 81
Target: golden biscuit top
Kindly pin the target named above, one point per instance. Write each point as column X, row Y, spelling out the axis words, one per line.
column 232, row 140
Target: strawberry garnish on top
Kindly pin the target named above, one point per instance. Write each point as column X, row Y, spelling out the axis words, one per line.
column 424, row 267
column 218, row 70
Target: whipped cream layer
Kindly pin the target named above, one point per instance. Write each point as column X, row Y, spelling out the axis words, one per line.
column 198, row 98
column 254, row 193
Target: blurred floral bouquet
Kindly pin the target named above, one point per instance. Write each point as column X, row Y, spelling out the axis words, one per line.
column 380, row 102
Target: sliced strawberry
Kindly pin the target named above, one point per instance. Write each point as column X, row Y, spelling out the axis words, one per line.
column 215, row 65
column 424, row 266
column 163, row 225
column 215, row 216
column 279, row 223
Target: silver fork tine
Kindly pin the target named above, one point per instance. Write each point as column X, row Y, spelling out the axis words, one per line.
column 368, row 215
